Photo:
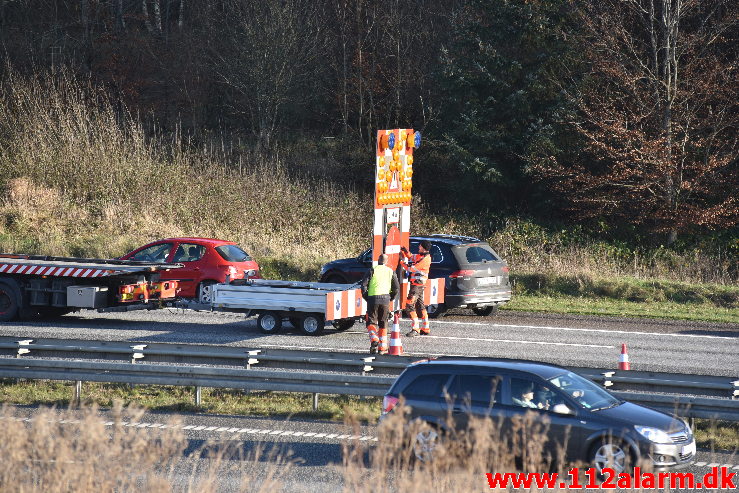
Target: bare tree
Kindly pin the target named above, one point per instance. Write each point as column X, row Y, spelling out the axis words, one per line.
column 658, row 112
column 269, row 52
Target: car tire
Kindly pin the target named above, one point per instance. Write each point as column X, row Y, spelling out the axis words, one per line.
column 335, row 279
column 485, row 311
column 205, row 292
column 342, row 325
column 312, row 324
column 436, row 311
column 613, row 453
column 269, row 323
column 10, row 300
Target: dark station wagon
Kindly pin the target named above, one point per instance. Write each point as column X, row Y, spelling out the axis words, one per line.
column 594, row 426
column 476, row 276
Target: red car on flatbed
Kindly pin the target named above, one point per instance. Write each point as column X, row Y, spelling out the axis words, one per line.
column 206, row 261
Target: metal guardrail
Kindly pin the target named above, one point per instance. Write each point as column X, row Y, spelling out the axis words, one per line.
column 697, row 396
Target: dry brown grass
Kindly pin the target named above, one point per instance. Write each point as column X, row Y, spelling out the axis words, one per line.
column 76, row 452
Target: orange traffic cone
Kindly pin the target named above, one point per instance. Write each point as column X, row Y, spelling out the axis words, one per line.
column 396, row 345
column 623, row 362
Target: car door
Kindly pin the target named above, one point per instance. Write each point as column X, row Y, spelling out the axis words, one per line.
column 474, row 394
column 192, row 258
column 564, row 431
column 425, row 396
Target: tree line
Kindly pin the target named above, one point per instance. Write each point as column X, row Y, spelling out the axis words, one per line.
column 621, row 112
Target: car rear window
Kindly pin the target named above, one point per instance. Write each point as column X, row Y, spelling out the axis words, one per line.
column 475, row 254
column 232, row 253
column 426, row 385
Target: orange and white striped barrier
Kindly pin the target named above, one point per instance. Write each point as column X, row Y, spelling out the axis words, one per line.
column 345, row 304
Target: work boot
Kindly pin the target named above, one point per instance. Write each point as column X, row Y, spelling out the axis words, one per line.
column 427, row 333
column 412, row 333
column 373, row 347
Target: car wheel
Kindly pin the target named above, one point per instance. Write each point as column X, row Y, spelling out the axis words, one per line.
column 335, row 279
column 205, row 292
column 269, row 323
column 312, row 324
column 342, row 325
column 9, row 301
column 611, row 453
column 436, row 311
column 485, row 311
column 426, row 445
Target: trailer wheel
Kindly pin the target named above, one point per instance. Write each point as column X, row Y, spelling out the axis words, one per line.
column 312, row 324
column 269, row 323
column 9, row 301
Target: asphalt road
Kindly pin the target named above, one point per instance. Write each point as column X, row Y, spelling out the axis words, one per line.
column 657, row 345
column 313, row 450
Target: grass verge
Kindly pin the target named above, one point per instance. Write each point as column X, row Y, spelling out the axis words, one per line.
column 182, row 399
column 625, row 296
column 710, row 434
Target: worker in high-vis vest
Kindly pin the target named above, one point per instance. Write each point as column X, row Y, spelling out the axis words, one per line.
column 380, row 287
column 417, row 266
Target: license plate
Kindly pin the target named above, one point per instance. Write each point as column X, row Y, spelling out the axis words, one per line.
column 487, row 281
column 688, row 449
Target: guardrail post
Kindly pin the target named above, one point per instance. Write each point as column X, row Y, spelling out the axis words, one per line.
column 315, row 401
column 198, row 395
column 77, row 401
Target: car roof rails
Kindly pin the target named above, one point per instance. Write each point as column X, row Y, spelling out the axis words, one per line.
column 456, row 237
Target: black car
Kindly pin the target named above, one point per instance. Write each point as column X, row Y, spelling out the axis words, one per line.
column 602, row 430
column 476, row 276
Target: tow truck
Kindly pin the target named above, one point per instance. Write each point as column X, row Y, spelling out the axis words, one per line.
column 52, row 286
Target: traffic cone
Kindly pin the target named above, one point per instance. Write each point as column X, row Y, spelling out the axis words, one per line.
column 623, row 362
column 396, row 345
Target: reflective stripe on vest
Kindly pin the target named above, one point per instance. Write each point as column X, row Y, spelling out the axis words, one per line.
column 419, row 269
column 381, row 282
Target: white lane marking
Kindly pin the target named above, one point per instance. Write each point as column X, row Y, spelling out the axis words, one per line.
column 700, row 464
column 713, row 464
column 573, row 329
column 140, row 425
column 509, row 341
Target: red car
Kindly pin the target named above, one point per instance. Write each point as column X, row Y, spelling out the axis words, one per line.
column 206, row 262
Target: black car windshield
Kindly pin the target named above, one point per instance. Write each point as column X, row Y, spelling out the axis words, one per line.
column 232, row 253
column 587, row 394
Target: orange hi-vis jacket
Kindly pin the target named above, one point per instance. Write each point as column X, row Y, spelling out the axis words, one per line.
column 418, row 265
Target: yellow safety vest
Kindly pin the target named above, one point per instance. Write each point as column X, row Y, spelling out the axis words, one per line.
column 381, row 282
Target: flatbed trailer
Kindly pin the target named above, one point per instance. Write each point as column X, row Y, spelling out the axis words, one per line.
column 309, row 306
column 52, row 286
